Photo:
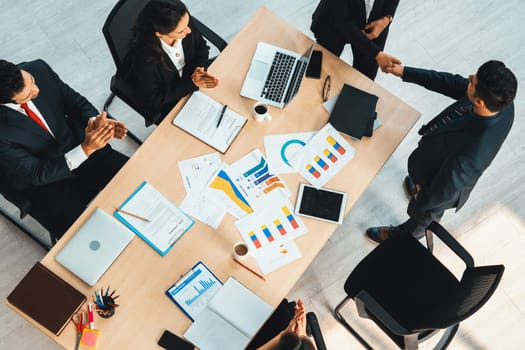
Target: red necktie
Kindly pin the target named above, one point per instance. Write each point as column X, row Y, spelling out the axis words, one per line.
column 33, row 116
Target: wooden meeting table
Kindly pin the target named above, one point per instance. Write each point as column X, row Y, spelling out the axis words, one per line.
column 141, row 276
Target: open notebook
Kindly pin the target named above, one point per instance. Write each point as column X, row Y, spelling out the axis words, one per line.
column 230, row 320
column 209, row 121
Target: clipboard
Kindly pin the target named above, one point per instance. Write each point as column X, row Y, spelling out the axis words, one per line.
column 193, row 291
column 166, row 222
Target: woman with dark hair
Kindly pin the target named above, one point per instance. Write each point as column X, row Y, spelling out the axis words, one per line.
column 167, row 58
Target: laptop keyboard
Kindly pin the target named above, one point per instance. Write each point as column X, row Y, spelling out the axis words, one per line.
column 280, row 71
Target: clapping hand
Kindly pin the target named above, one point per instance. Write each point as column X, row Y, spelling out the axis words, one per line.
column 120, row 130
column 203, row 79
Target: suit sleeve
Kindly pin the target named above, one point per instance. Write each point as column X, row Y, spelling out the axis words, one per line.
column 152, row 88
column 451, row 85
column 25, row 170
column 201, row 52
column 390, row 7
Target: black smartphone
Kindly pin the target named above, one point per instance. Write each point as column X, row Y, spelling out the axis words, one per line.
column 314, row 67
column 170, row 341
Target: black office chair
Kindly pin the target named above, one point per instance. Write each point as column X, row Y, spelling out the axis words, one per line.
column 117, row 32
column 24, row 205
column 411, row 295
column 279, row 320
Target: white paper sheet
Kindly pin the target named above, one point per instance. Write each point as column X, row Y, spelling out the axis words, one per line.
column 196, row 172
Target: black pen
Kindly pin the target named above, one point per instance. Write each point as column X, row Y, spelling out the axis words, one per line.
column 221, row 115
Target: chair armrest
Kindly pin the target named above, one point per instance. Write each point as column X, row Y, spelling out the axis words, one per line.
column 313, row 329
column 374, row 308
column 209, row 34
column 450, row 241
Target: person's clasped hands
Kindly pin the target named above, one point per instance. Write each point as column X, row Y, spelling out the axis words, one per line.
column 373, row 29
column 203, row 79
column 100, row 130
column 298, row 324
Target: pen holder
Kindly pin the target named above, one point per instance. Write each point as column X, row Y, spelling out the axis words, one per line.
column 105, row 303
column 108, row 309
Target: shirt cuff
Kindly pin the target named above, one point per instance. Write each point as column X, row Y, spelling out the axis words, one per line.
column 75, row 157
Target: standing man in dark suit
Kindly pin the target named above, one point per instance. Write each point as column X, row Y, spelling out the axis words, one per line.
column 457, row 145
column 53, row 150
column 361, row 23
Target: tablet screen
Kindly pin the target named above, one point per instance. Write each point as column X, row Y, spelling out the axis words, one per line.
column 321, row 203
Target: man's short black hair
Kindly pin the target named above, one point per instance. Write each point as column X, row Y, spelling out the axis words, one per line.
column 496, row 85
column 11, row 81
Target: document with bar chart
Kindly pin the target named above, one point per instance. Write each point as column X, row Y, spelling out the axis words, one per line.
column 277, row 222
column 323, row 156
column 194, row 290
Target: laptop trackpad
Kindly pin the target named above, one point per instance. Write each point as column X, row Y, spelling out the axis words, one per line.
column 258, row 70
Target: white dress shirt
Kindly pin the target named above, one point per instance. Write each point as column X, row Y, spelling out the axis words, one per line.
column 369, row 5
column 74, row 157
column 175, row 53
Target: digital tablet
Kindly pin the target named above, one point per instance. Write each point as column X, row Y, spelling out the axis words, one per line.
column 323, row 204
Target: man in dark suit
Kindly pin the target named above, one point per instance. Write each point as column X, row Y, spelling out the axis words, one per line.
column 457, row 145
column 361, row 23
column 53, row 150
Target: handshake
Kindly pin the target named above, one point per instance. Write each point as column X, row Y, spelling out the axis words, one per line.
column 389, row 64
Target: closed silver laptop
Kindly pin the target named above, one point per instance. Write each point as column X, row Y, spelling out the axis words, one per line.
column 94, row 247
column 275, row 74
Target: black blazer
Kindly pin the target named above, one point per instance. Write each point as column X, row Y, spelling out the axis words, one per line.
column 346, row 19
column 157, row 83
column 449, row 160
column 29, row 155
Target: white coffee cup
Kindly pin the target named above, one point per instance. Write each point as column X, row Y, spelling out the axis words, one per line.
column 261, row 112
column 240, row 251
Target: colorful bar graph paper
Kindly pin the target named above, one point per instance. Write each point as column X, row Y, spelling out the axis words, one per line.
column 290, row 217
column 279, row 227
column 267, row 233
column 313, row 171
column 335, row 145
column 330, row 155
column 321, row 163
column 254, row 239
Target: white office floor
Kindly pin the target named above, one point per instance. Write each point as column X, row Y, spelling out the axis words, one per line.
column 455, row 36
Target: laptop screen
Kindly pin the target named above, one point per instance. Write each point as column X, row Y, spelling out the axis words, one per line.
column 298, row 75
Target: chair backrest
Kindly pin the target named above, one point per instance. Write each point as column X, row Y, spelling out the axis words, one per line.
column 15, row 197
column 118, row 26
column 475, row 288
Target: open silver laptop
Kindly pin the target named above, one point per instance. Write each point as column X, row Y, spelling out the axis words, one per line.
column 275, row 74
column 94, row 247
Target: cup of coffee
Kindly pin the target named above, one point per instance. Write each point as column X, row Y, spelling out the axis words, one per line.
column 240, row 251
column 260, row 112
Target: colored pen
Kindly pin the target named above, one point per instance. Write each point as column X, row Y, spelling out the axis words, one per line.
column 247, row 268
column 221, row 115
column 135, row 216
column 90, row 316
